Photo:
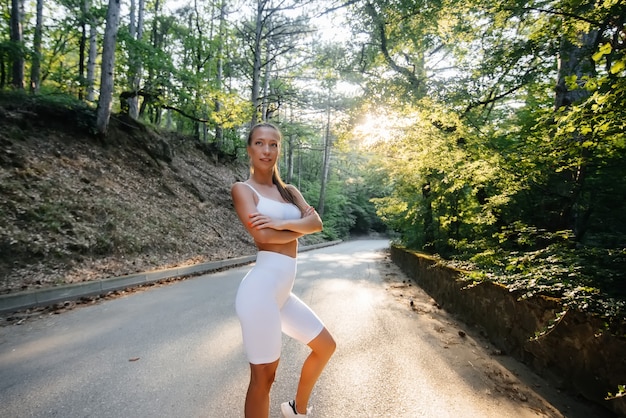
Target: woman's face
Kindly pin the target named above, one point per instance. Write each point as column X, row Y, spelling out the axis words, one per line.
column 264, row 148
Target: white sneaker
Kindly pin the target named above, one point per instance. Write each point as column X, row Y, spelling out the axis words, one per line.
column 288, row 410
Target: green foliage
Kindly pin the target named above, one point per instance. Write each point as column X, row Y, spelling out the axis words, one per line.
column 445, row 186
column 490, row 174
column 55, row 106
column 338, row 215
column 532, row 262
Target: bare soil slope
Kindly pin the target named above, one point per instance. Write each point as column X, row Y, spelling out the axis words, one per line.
column 75, row 207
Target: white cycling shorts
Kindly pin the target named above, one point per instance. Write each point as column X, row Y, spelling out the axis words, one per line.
column 266, row 308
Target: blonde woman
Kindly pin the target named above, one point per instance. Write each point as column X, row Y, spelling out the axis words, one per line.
column 275, row 215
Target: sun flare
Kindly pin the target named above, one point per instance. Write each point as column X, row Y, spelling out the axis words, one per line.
column 379, row 127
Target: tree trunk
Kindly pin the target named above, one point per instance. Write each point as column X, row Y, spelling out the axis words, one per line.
column 266, row 81
column 157, row 43
column 82, row 47
column 93, row 55
column 3, row 71
column 291, row 140
column 134, row 81
column 326, row 162
column 428, row 221
column 17, row 38
column 415, row 76
column 35, row 72
column 576, row 60
column 219, row 131
column 132, row 100
column 108, row 65
column 199, row 129
column 256, row 60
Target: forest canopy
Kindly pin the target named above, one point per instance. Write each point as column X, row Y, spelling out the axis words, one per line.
column 490, row 133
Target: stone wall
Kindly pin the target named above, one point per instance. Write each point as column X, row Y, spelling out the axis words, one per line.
column 575, row 355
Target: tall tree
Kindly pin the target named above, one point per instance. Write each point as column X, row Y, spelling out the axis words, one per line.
column 398, row 34
column 103, row 113
column 35, row 72
column 273, row 39
column 325, row 163
column 136, row 29
column 259, row 26
column 156, row 80
column 82, row 49
column 219, row 77
column 90, row 81
column 17, row 40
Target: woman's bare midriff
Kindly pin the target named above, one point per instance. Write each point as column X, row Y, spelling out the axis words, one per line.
column 290, row 249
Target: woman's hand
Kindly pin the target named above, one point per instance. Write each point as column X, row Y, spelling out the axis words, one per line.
column 260, row 221
column 310, row 210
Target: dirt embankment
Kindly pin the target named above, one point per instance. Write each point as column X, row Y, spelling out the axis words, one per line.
column 75, row 207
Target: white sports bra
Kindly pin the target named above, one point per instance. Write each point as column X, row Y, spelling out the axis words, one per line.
column 274, row 208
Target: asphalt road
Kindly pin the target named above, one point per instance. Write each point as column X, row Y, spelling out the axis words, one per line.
column 175, row 351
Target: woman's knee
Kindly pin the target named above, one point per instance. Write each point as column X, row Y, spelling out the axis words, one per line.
column 263, row 375
column 331, row 345
column 324, row 344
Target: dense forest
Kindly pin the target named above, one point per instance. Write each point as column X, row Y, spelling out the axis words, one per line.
column 489, row 133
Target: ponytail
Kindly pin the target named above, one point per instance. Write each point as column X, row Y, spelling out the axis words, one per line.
column 283, row 189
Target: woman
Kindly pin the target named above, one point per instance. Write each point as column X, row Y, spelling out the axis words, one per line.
column 275, row 215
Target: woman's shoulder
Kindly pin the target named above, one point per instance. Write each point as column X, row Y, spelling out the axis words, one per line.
column 241, row 188
column 239, row 185
column 295, row 192
column 292, row 188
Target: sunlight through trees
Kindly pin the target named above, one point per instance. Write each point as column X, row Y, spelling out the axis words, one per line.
column 479, row 131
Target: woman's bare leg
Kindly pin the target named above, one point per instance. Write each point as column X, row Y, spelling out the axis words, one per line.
column 258, row 396
column 323, row 347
